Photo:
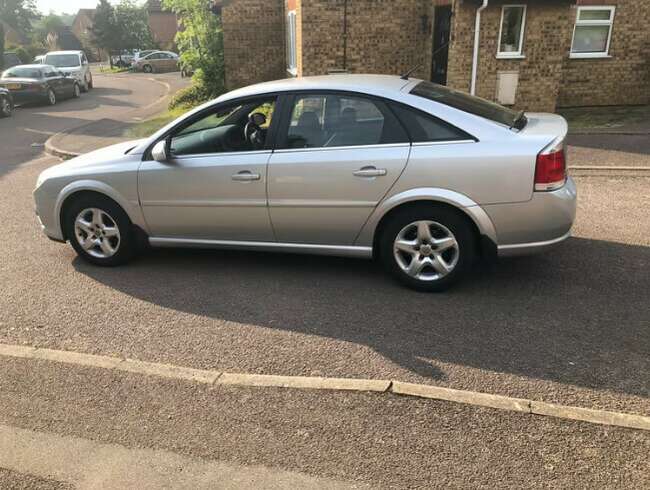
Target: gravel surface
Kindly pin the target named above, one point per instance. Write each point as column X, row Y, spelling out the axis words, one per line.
column 20, row 481
column 570, row 326
column 384, row 440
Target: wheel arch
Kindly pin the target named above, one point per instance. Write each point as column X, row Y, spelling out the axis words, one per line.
column 77, row 189
column 475, row 216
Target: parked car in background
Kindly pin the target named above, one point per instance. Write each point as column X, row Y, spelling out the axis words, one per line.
column 39, row 83
column 124, row 59
column 6, row 103
column 73, row 63
column 424, row 178
column 141, row 54
column 158, row 61
column 10, row 59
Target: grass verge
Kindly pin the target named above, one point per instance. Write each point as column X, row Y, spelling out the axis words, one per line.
column 151, row 125
column 602, row 118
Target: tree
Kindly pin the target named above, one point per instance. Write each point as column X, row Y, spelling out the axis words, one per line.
column 201, row 44
column 105, row 31
column 51, row 23
column 2, row 46
column 134, row 32
column 18, row 14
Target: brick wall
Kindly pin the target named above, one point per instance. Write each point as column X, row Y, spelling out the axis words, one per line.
column 624, row 78
column 254, row 41
column 384, row 36
column 547, row 35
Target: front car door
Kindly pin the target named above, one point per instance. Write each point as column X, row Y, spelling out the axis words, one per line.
column 338, row 155
column 214, row 185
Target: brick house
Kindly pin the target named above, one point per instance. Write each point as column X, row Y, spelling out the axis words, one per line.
column 531, row 54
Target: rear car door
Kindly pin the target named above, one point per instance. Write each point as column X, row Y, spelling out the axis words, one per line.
column 214, row 185
column 338, row 155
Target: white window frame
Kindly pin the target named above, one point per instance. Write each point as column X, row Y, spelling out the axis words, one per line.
column 292, row 51
column 581, row 23
column 512, row 54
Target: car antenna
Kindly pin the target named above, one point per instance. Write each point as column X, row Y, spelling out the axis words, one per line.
column 411, row 71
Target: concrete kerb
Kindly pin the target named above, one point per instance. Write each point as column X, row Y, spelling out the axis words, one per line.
column 211, row 377
column 52, row 146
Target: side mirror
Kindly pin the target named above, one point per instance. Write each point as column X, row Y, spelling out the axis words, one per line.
column 159, row 151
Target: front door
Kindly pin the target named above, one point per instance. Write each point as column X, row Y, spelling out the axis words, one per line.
column 338, row 156
column 441, row 32
column 214, row 185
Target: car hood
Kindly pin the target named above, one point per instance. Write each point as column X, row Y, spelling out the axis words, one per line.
column 103, row 157
column 69, row 68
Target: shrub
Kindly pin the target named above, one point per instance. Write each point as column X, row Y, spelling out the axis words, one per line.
column 23, row 55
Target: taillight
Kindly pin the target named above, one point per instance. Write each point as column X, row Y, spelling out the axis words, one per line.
column 550, row 170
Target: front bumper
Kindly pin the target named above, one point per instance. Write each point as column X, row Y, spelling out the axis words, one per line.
column 535, row 225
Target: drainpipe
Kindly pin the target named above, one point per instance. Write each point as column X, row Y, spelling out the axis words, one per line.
column 477, row 36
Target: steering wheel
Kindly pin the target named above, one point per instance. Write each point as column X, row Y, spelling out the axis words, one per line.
column 253, row 132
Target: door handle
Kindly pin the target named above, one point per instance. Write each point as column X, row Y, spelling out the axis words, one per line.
column 370, row 171
column 245, row 176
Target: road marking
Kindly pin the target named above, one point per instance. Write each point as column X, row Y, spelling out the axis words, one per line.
column 88, row 464
column 466, row 397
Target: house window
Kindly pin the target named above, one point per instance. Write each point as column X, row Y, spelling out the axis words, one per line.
column 511, row 35
column 593, row 32
column 292, row 55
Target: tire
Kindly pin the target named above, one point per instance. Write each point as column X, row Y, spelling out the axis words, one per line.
column 443, row 255
column 147, row 69
column 51, row 97
column 76, row 91
column 90, row 82
column 99, row 230
column 6, row 108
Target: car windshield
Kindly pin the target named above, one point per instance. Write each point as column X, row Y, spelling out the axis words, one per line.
column 61, row 60
column 22, row 72
column 469, row 103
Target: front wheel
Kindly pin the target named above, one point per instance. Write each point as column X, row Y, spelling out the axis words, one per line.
column 6, row 108
column 100, row 231
column 51, row 97
column 147, row 69
column 428, row 247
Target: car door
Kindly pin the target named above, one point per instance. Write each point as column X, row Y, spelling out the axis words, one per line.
column 338, row 155
column 214, row 185
column 56, row 81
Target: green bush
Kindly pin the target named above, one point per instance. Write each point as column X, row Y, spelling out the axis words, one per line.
column 23, row 55
column 190, row 97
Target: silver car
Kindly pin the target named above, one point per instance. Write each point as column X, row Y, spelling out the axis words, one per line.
column 424, row 178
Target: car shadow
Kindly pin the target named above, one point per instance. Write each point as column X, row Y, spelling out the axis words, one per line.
column 577, row 315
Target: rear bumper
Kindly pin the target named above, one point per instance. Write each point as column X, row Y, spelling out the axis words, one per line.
column 535, row 225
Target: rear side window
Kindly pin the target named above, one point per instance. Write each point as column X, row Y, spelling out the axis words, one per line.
column 469, row 103
column 424, row 127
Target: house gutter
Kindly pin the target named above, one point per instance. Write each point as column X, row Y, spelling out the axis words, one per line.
column 477, row 36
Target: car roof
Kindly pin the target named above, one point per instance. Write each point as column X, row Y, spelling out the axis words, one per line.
column 369, row 84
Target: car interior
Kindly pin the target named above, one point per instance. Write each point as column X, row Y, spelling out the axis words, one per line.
column 240, row 128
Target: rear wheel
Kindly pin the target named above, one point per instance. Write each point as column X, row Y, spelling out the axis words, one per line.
column 99, row 231
column 6, row 108
column 428, row 247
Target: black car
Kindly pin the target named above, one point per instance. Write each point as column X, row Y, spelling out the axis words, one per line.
column 38, row 83
column 6, row 103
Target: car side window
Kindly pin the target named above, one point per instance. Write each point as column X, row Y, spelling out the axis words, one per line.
column 423, row 127
column 241, row 126
column 333, row 120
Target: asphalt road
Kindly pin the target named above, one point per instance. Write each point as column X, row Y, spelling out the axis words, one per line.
column 571, row 326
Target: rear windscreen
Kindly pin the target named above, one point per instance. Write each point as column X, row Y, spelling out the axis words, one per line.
column 467, row 103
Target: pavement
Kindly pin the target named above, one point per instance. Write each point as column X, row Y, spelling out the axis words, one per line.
column 568, row 327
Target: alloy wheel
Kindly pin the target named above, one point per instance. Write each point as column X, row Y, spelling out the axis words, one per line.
column 426, row 250
column 97, row 233
column 51, row 96
column 5, row 107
